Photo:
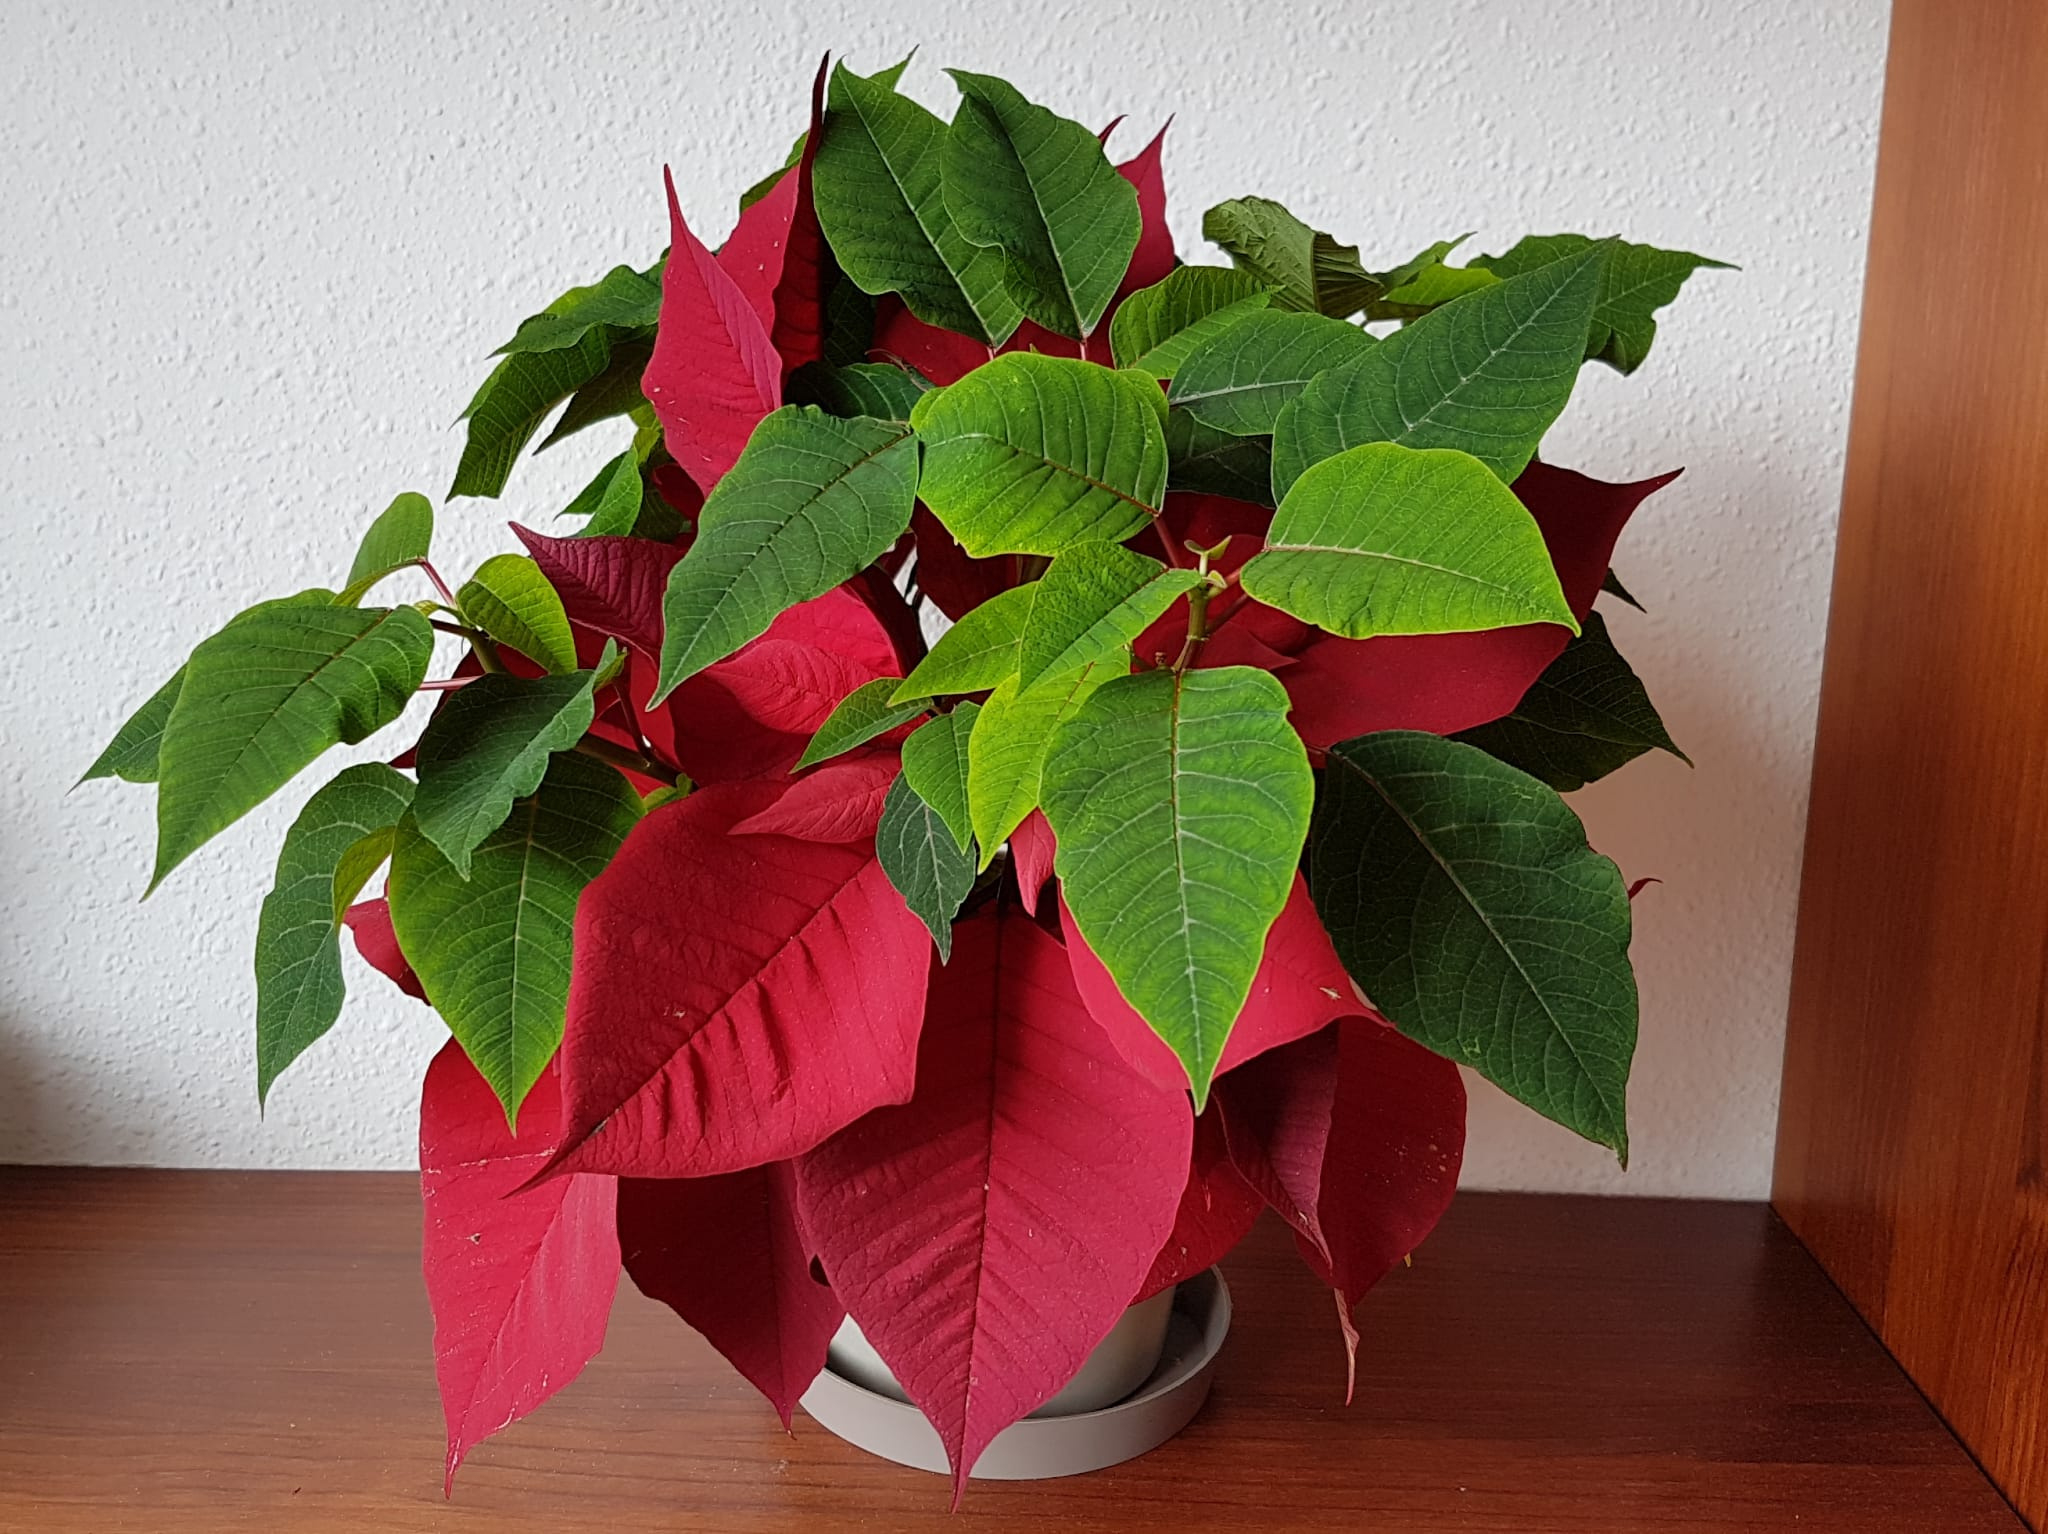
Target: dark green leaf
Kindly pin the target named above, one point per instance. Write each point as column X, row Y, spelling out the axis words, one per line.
column 1426, row 283
column 812, row 501
column 1462, row 897
column 935, row 767
column 613, row 500
column 1639, row 280
column 1308, row 269
column 1585, row 716
column 1398, row 540
column 1485, row 375
column 399, row 537
column 622, row 297
column 512, row 403
column 333, row 847
column 493, row 951
column 1206, row 461
column 131, row 754
column 1180, row 803
column 1611, row 584
column 489, row 744
column 878, row 389
column 266, row 695
column 1091, row 604
column 1031, row 453
column 861, row 715
column 928, row 869
column 976, row 653
column 614, row 391
column 509, row 599
column 1238, row 380
column 1156, row 327
column 1039, row 189
column 876, row 184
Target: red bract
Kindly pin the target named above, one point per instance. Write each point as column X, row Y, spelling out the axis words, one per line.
column 735, row 999
column 1217, row 1210
column 837, row 801
column 724, row 1253
column 1299, row 987
column 778, row 256
column 1031, row 853
column 521, row 1281
column 1154, row 258
column 987, row 1234
column 714, row 372
column 1354, row 1136
column 608, row 586
column 369, row 922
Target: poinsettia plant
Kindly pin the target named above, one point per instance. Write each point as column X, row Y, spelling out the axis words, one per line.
column 981, row 987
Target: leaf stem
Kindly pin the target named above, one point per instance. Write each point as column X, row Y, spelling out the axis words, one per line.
column 447, row 684
column 440, row 586
column 1198, row 626
column 628, row 761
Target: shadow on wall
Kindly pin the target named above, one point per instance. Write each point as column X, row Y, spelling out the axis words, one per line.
column 22, row 1098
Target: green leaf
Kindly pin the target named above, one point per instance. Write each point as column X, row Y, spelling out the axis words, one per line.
column 399, row 537
column 1180, row 803
column 1462, row 897
column 612, row 392
column 878, row 389
column 1486, row 375
column 489, row 744
column 1585, row 716
column 509, row 599
column 928, row 869
column 1399, row 540
column 508, row 409
column 131, row 754
column 766, row 184
column 861, row 715
column 1611, row 584
column 1639, row 280
column 1030, row 453
column 299, row 986
column 935, row 766
column 492, row 951
column 612, row 501
column 622, row 297
column 1156, row 327
column 812, row 500
column 1006, row 752
column 1309, row 270
column 1038, row 188
column 1211, row 462
column 1094, row 600
column 266, row 695
column 1429, row 286
column 876, row 183
column 976, row 653
column 1238, row 381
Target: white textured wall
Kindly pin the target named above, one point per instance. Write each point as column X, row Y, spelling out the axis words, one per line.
column 257, row 253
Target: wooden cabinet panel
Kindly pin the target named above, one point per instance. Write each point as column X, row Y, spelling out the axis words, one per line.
column 1914, row 1128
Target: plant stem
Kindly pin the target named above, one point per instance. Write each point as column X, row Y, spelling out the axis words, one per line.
column 627, row 761
column 1176, row 557
column 1198, row 626
column 474, row 636
column 447, row 684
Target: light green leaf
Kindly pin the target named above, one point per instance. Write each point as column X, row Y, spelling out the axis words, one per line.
column 489, row 744
column 399, row 537
column 935, row 766
column 976, row 653
column 1463, row 899
column 876, row 183
column 492, row 951
column 266, row 695
column 1485, row 375
column 861, row 715
column 509, row 407
column 612, row 500
column 1093, row 601
column 1639, row 280
column 1585, row 716
column 1309, row 270
column 299, row 986
column 1211, row 462
column 131, row 754
column 1180, row 803
column 509, row 599
column 1429, row 286
column 928, row 869
column 812, row 501
column 1238, row 380
column 1039, row 189
column 1399, row 540
column 1155, row 328
column 622, row 297
column 1030, row 453
column 878, row 389
column 1006, row 752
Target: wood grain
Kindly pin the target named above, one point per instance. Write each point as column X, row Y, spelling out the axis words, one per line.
column 228, row 1352
column 1915, row 1113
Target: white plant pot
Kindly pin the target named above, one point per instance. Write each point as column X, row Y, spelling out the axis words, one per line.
column 1140, row 1386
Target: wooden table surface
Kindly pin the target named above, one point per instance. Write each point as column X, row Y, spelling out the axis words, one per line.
column 184, row 1351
